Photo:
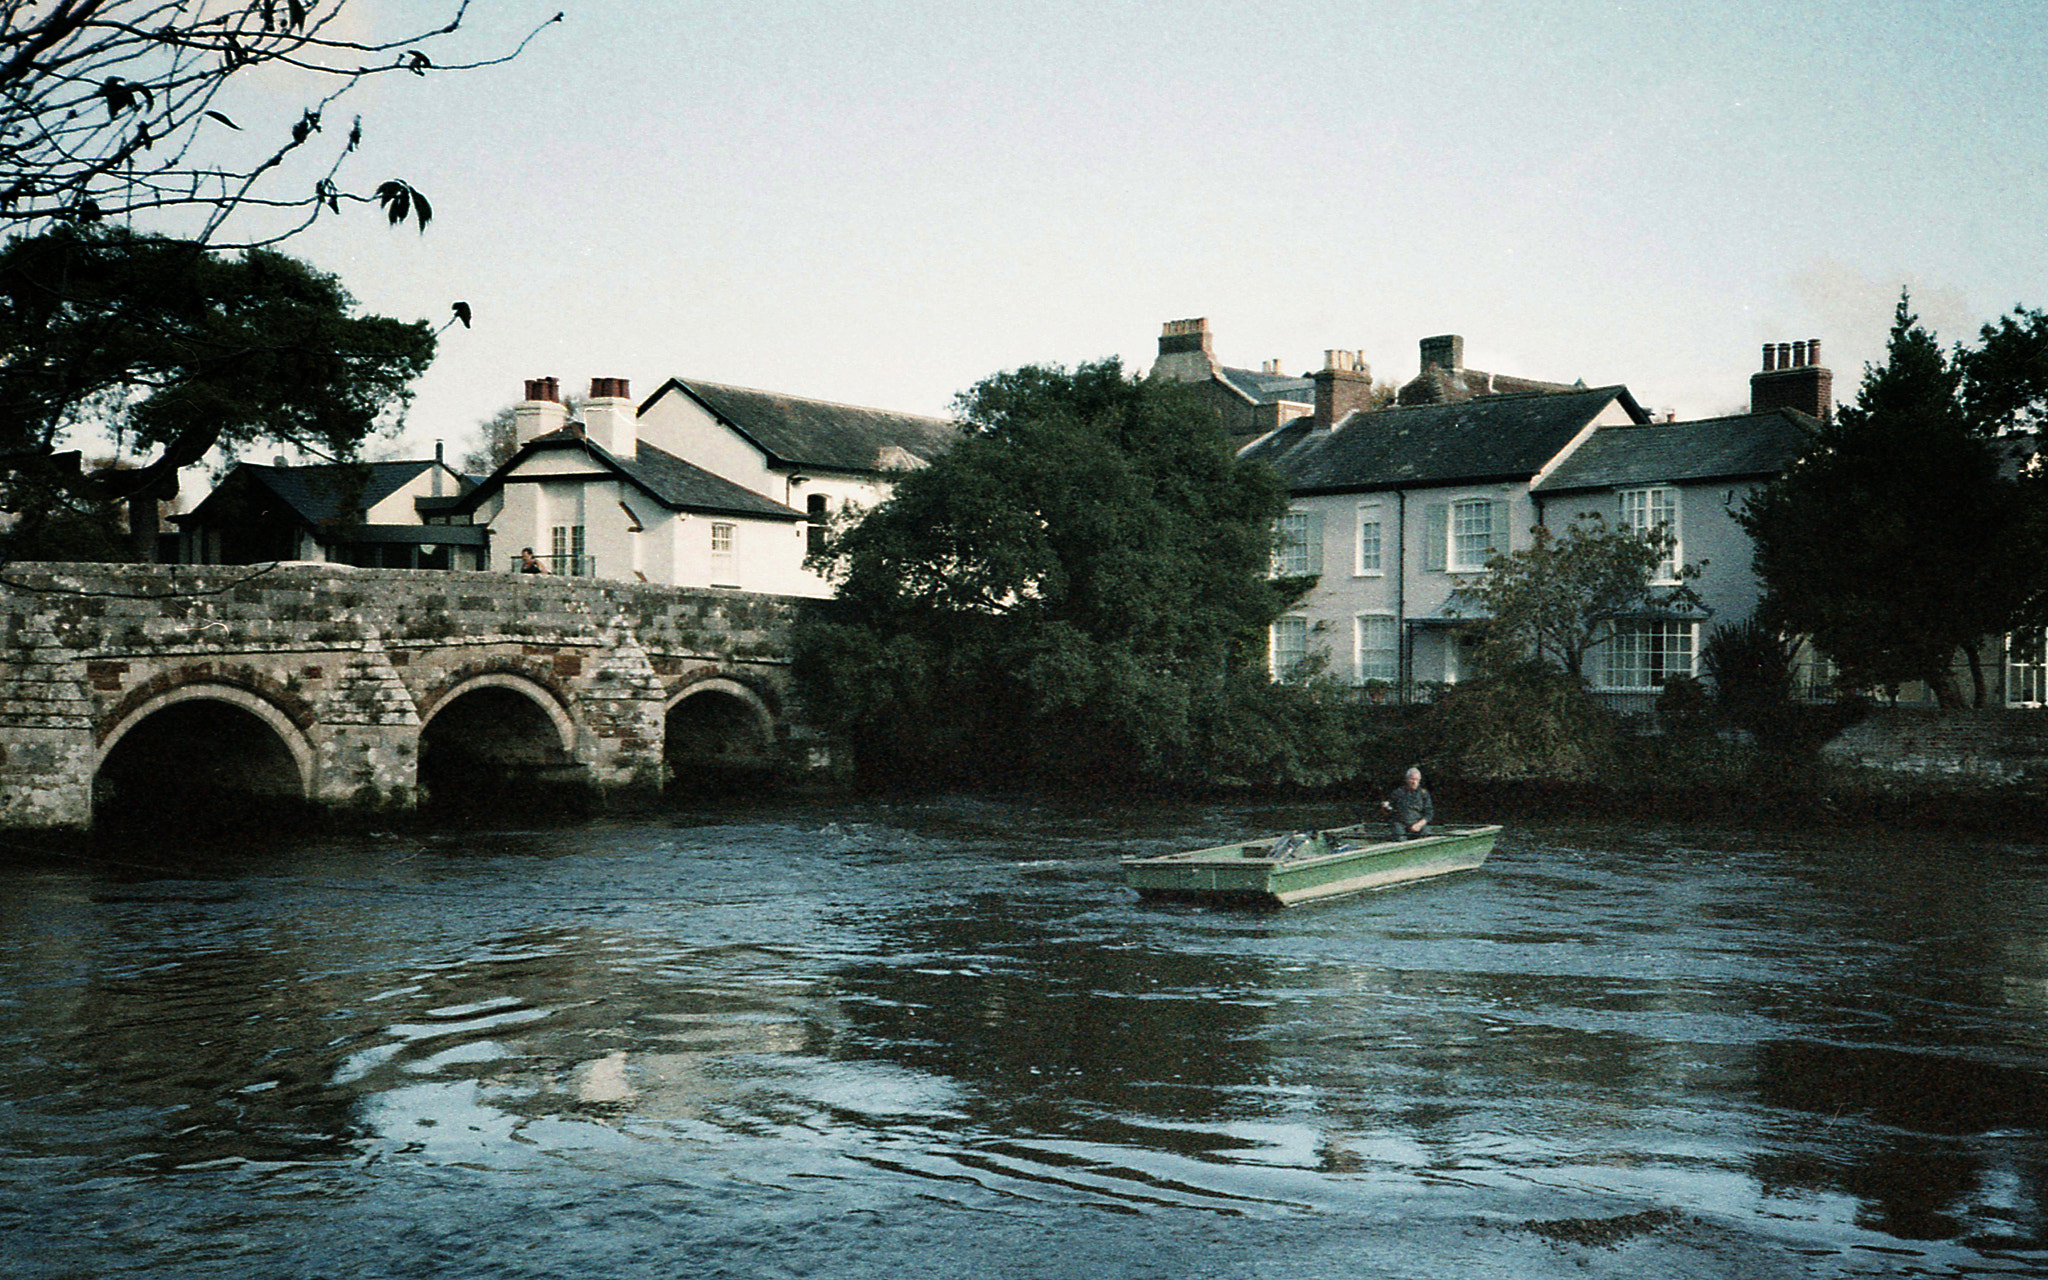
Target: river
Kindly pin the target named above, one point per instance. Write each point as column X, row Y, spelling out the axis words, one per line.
column 940, row 1039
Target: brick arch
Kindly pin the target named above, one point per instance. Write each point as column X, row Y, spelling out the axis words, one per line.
column 549, row 700
column 211, row 675
column 752, row 689
column 528, row 677
column 756, row 708
column 283, row 725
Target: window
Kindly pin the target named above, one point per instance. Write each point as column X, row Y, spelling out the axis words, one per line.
column 816, row 512
column 1471, row 535
column 2026, row 668
column 1290, row 649
column 1460, row 537
column 1654, row 508
column 722, row 572
column 1379, row 648
column 1368, row 538
column 1643, row 655
column 566, row 542
column 1301, row 545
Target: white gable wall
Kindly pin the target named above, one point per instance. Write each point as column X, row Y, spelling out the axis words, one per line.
column 397, row 506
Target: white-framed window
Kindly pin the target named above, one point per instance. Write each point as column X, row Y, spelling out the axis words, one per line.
column 1641, row 656
column 2026, row 668
column 1653, row 507
column 1471, row 535
column 566, row 543
column 1301, row 545
column 722, row 532
column 1461, row 536
column 1368, row 543
column 1379, row 647
column 1290, row 648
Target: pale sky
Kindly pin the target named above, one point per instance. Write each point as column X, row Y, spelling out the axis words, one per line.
column 881, row 202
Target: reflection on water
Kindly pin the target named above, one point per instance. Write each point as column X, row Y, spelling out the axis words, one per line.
column 941, row 1039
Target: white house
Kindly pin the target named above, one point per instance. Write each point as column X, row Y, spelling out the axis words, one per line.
column 700, row 485
column 1393, row 511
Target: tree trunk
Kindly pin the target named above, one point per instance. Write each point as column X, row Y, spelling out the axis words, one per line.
column 1976, row 672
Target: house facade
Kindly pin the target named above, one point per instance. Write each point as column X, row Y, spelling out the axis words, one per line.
column 1393, row 511
column 700, row 485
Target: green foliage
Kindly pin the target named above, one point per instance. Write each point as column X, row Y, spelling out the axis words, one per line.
column 1529, row 720
column 1075, row 592
column 1894, row 542
column 1753, row 667
column 2005, row 377
column 172, row 349
column 1556, row 600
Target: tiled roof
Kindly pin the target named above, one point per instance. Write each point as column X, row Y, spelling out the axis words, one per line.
column 819, row 433
column 1438, row 385
column 685, row 486
column 1734, row 447
column 676, row 484
column 1268, row 388
column 328, row 493
column 1487, row 439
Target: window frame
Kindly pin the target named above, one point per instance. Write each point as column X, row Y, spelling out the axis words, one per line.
column 1389, row 670
column 1369, row 518
column 1647, row 497
column 1634, row 643
column 1296, row 670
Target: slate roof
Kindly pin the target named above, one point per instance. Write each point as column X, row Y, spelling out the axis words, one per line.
column 1267, row 388
column 819, row 433
column 676, row 484
column 1438, row 385
column 1492, row 438
column 1740, row 446
column 322, row 495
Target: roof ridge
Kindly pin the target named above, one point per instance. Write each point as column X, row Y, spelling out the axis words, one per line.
column 791, row 395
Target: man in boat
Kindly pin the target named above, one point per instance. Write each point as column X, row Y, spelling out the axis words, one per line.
column 1411, row 806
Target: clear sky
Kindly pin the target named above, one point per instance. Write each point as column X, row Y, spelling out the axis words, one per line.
column 882, row 201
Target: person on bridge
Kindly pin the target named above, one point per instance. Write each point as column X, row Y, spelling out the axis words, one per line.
column 1411, row 806
column 529, row 563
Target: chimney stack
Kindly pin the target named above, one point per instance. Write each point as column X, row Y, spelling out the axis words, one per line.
column 1445, row 351
column 1187, row 351
column 1793, row 378
column 1343, row 384
column 609, row 419
column 540, row 412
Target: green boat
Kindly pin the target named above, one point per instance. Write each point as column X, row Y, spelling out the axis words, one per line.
column 1279, row 871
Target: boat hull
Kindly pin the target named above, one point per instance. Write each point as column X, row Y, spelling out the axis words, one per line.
column 1336, row 863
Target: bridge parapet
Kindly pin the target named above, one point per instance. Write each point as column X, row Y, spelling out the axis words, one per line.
column 356, row 662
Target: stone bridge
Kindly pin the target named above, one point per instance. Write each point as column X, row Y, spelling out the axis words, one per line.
column 126, row 686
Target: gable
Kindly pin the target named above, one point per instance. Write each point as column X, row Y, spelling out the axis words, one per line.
column 792, row 431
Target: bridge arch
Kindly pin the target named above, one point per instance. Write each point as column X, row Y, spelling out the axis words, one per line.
column 499, row 740
column 144, row 766
column 715, row 728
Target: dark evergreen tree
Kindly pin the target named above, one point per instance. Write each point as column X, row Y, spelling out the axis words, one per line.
column 1895, row 543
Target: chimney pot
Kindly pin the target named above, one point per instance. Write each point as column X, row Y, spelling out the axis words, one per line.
column 1813, row 351
column 1770, row 357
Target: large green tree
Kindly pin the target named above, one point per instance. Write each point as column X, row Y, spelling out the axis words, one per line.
column 1896, row 542
column 169, row 349
column 1064, row 596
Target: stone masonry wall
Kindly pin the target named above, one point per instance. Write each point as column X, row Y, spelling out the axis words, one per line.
column 353, row 661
